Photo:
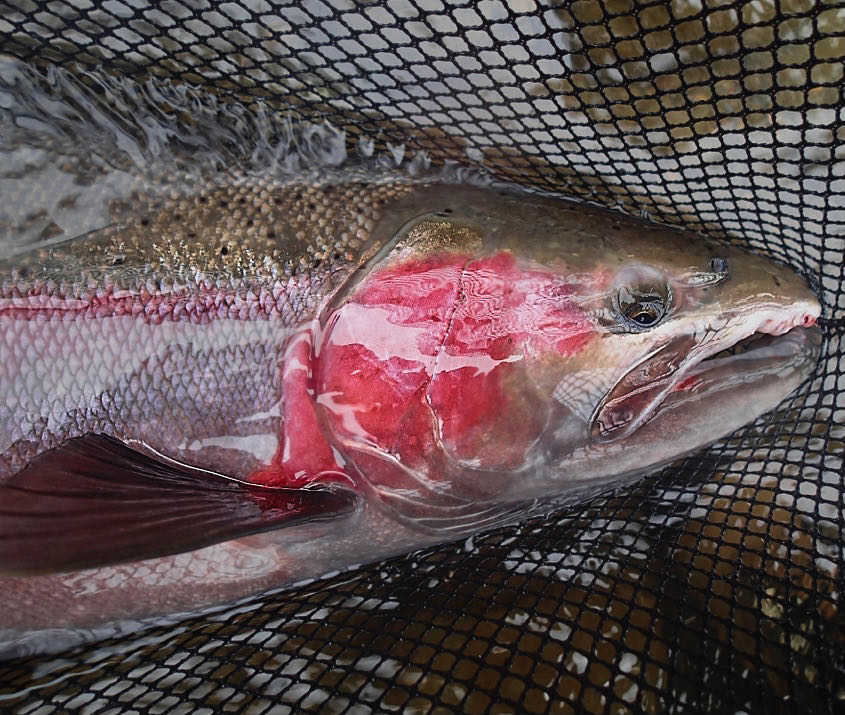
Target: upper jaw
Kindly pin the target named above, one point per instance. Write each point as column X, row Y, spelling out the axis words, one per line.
column 638, row 394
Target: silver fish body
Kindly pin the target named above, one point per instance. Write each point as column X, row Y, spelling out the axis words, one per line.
column 434, row 355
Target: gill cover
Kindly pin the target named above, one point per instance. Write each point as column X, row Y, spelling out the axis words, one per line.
column 425, row 367
column 501, row 346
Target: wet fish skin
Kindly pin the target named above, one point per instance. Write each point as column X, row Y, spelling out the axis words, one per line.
column 535, row 360
column 254, row 258
column 218, row 331
column 198, row 303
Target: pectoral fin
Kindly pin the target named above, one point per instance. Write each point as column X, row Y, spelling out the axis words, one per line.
column 94, row 501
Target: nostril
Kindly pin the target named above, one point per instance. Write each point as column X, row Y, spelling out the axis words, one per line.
column 809, row 320
column 719, row 265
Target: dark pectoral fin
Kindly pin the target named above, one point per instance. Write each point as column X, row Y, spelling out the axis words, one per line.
column 94, row 501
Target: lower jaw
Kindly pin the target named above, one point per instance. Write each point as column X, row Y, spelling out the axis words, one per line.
column 747, row 364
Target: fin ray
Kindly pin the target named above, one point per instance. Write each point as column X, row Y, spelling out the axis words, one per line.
column 94, row 501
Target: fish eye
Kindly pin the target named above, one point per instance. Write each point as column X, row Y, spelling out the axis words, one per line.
column 642, row 311
column 643, row 299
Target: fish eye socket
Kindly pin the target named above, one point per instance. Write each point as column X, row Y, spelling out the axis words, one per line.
column 642, row 306
column 640, row 299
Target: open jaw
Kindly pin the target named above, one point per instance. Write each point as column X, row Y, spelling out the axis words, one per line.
column 687, row 369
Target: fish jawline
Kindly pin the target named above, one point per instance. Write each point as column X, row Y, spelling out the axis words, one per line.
column 683, row 370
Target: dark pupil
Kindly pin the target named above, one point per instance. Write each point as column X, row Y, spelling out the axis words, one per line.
column 644, row 315
column 642, row 309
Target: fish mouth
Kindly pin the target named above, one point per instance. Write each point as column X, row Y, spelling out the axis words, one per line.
column 687, row 368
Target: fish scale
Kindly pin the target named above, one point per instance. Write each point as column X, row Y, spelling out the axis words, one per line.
column 352, row 370
column 253, row 256
column 271, row 234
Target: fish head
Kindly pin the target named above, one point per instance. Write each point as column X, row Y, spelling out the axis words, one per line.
column 499, row 346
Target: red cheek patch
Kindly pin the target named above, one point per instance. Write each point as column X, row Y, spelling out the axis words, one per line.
column 418, row 296
column 376, row 402
column 431, row 359
column 486, row 420
column 504, row 307
column 488, row 412
column 377, row 360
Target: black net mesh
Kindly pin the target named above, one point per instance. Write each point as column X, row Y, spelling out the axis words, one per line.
column 711, row 587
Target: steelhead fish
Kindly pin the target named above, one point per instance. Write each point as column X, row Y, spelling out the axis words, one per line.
column 357, row 369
